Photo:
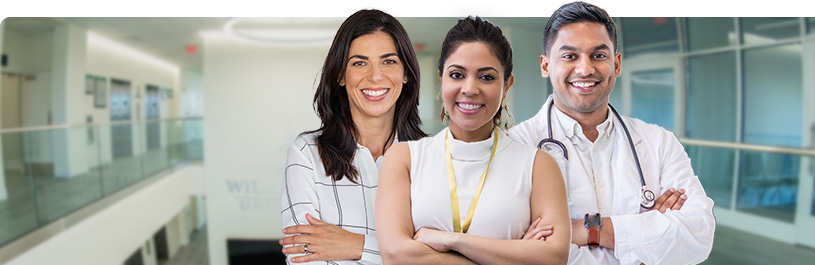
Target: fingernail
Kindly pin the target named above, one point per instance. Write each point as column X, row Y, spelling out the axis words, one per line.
column 672, row 190
column 285, row 231
column 683, row 196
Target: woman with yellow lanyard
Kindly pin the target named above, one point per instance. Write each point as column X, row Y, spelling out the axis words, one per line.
column 470, row 194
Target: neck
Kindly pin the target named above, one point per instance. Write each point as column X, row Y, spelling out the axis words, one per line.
column 374, row 133
column 588, row 120
column 476, row 135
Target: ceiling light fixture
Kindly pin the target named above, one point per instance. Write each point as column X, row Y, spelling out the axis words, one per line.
column 287, row 32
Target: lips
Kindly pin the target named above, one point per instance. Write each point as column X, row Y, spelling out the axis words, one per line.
column 584, row 86
column 375, row 94
column 469, row 107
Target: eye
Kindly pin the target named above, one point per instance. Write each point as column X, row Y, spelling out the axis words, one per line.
column 488, row 77
column 568, row 56
column 358, row 63
column 600, row 56
column 390, row 62
column 456, row 75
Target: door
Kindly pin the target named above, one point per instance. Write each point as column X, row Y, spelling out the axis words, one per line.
column 653, row 90
column 12, row 118
column 805, row 210
column 121, row 134
column 152, row 98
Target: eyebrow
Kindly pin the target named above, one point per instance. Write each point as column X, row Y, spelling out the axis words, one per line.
column 479, row 69
column 363, row 57
column 596, row 48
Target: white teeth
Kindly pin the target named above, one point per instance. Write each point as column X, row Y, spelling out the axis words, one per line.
column 469, row 106
column 374, row 93
column 583, row 84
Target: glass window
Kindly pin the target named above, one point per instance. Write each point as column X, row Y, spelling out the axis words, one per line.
column 711, row 32
column 773, row 91
column 759, row 30
column 616, row 96
column 811, row 27
column 714, row 166
column 649, row 34
column 711, row 97
column 768, row 184
column 652, row 94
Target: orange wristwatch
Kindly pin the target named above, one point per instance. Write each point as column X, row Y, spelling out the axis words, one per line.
column 593, row 224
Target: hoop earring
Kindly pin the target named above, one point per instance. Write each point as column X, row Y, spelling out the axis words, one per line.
column 510, row 120
column 444, row 114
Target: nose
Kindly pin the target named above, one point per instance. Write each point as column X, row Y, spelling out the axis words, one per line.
column 376, row 73
column 584, row 66
column 469, row 87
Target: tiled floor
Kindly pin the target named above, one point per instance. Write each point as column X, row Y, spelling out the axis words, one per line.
column 731, row 246
column 194, row 253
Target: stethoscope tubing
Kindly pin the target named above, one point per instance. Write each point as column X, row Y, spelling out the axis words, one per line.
column 646, row 203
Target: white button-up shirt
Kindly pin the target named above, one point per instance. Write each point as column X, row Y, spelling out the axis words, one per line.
column 307, row 189
column 602, row 177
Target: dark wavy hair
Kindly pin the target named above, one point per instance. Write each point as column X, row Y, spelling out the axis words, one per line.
column 337, row 142
column 573, row 13
column 475, row 29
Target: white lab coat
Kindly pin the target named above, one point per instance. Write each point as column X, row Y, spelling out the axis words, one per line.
column 675, row 237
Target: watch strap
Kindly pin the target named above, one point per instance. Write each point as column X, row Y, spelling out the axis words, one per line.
column 594, row 237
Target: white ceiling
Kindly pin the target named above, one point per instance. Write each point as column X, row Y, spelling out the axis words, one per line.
column 167, row 38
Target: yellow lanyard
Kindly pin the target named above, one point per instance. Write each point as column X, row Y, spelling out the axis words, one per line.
column 451, row 175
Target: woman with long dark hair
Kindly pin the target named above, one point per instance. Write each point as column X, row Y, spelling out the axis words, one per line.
column 367, row 100
column 470, row 194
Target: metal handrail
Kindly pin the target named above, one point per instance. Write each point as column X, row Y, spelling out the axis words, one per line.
column 85, row 125
column 750, row 147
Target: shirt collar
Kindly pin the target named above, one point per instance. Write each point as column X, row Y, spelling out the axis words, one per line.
column 571, row 127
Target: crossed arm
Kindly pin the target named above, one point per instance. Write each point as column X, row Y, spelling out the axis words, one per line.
column 399, row 245
column 672, row 199
column 679, row 231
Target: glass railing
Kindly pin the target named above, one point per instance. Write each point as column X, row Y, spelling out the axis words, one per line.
column 49, row 173
column 754, row 179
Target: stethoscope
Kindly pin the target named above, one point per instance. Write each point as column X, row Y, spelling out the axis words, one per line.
column 648, row 197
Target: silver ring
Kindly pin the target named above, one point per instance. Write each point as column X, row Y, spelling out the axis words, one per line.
column 305, row 248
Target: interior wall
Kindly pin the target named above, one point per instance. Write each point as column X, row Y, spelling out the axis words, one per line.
column 111, row 60
column 256, row 105
column 67, row 92
column 191, row 94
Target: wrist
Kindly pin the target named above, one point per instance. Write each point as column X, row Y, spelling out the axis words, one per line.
column 455, row 241
column 593, row 223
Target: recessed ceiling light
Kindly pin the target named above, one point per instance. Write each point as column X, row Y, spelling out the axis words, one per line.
column 291, row 32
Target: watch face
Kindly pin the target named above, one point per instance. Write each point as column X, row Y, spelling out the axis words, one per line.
column 592, row 220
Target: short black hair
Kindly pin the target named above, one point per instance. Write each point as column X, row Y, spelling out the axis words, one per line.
column 573, row 13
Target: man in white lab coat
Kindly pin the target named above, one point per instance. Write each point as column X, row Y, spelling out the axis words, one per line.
column 616, row 218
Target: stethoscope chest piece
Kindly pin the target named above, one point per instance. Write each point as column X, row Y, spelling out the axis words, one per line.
column 648, row 198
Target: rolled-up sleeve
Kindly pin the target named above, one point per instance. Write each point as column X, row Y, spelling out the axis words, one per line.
column 683, row 236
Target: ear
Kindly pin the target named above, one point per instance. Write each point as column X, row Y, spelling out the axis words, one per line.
column 341, row 81
column 618, row 58
column 507, row 85
column 544, row 66
column 404, row 79
column 439, row 74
